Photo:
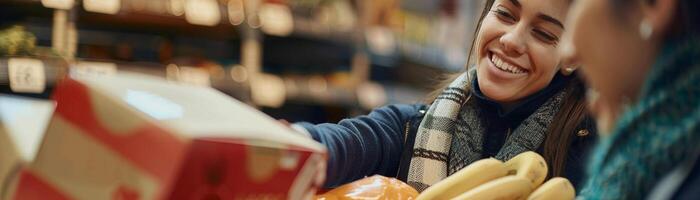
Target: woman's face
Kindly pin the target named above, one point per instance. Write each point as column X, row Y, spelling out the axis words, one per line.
column 517, row 47
column 614, row 57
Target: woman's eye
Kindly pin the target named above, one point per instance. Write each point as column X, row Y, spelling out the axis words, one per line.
column 504, row 15
column 545, row 36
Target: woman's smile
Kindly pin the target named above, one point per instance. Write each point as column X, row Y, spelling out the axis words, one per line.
column 501, row 68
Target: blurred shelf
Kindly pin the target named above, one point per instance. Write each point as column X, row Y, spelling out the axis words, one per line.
column 312, row 47
column 367, row 96
column 124, row 20
column 434, row 60
column 54, row 72
column 309, row 29
column 15, row 11
column 401, row 94
column 153, row 23
column 303, row 56
column 318, row 90
column 218, row 78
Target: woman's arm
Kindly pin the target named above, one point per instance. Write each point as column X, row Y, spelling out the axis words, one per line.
column 364, row 145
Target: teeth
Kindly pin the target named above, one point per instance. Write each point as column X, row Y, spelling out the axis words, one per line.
column 500, row 64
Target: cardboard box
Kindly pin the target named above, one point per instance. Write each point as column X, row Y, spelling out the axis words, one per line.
column 9, row 158
column 22, row 125
column 239, row 169
column 132, row 136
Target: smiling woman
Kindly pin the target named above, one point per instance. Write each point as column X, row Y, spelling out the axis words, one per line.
column 517, row 98
column 517, row 60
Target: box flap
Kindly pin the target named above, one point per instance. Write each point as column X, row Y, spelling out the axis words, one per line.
column 194, row 111
column 25, row 121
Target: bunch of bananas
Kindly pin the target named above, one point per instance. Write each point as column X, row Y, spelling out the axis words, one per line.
column 519, row 178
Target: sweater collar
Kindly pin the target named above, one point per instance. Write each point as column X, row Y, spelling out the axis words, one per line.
column 525, row 107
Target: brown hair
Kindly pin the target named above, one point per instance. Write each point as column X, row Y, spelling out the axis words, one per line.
column 562, row 130
column 685, row 22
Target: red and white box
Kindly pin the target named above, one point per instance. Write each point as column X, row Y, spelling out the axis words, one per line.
column 131, row 136
column 23, row 122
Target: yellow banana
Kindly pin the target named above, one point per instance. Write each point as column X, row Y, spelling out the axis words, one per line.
column 529, row 165
column 475, row 174
column 557, row 188
column 505, row 188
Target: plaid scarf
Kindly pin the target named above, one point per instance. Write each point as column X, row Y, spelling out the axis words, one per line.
column 433, row 146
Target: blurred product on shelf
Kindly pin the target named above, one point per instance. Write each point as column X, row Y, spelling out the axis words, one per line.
column 374, row 187
column 30, row 76
column 86, row 68
column 268, row 90
column 189, row 75
column 129, row 136
column 58, row 4
column 202, row 12
column 102, row 6
column 276, row 19
column 22, row 125
column 16, row 41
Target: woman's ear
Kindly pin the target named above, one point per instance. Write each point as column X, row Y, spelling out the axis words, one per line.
column 657, row 18
column 569, row 60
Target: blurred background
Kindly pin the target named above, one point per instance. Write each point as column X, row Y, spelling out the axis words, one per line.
column 300, row 60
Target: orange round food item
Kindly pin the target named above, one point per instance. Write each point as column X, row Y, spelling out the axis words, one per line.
column 374, row 187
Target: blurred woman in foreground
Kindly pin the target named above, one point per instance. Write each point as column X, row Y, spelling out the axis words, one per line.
column 641, row 59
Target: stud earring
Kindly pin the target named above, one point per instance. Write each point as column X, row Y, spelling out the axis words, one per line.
column 645, row 29
column 568, row 70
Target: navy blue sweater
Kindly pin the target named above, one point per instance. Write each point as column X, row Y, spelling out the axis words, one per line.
column 380, row 142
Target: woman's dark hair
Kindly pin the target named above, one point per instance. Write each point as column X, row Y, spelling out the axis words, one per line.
column 565, row 125
column 686, row 22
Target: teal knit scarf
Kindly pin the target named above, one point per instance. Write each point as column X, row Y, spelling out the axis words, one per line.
column 654, row 135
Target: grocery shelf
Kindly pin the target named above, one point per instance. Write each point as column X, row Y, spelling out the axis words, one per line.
column 317, row 90
column 313, row 47
column 152, row 23
column 312, row 30
column 55, row 70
